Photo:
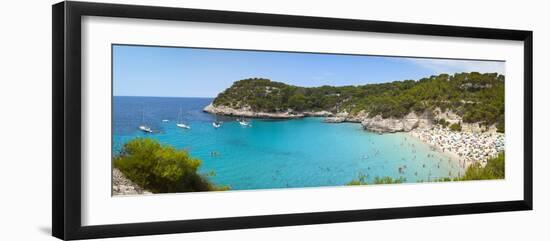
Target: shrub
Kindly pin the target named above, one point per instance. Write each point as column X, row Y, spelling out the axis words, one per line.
column 500, row 127
column 362, row 180
column 455, row 127
column 388, row 180
column 442, row 122
column 161, row 169
column 493, row 170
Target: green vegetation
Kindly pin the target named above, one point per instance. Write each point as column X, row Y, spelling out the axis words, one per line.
column 474, row 96
column 161, row 169
column 389, row 180
column 362, row 180
column 500, row 127
column 442, row 122
column 455, row 127
column 493, row 170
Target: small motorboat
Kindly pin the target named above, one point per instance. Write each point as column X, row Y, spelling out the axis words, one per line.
column 165, row 120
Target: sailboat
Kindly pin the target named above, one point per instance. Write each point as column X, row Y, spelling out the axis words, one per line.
column 243, row 122
column 143, row 127
column 217, row 124
column 180, row 123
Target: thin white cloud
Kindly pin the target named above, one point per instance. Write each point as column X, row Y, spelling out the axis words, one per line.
column 449, row 66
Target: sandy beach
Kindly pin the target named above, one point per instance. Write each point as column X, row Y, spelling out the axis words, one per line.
column 465, row 147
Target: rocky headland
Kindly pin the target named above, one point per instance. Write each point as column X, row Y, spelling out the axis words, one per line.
column 471, row 104
column 374, row 123
column 247, row 112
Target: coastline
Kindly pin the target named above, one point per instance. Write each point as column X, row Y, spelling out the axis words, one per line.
column 472, row 144
column 338, row 147
column 248, row 113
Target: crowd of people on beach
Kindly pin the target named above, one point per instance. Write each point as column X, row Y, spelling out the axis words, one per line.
column 468, row 147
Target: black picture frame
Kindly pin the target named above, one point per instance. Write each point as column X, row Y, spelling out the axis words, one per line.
column 66, row 75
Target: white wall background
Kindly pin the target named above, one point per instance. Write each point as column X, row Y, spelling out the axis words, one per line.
column 25, row 104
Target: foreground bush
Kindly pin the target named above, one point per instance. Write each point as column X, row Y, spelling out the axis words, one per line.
column 161, row 168
column 362, row 180
column 493, row 170
column 389, row 180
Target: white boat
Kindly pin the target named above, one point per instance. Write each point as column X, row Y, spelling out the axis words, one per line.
column 180, row 123
column 165, row 120
column 143, row 127
column 243, row 122
column 216, row 124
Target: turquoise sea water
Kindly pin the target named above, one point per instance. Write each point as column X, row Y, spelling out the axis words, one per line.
column 278, row 153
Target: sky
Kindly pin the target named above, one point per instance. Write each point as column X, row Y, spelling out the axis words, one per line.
column 195, row 72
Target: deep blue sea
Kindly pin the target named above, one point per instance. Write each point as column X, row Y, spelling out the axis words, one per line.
column 277, row 153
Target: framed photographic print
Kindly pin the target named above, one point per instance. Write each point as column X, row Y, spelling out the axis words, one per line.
column 170, row 120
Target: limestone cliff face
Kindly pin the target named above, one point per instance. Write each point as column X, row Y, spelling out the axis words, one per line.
column 357, row 117
column 407, row 123
column 341, row 117
column 449, row 116
column 370, row 123
column 425, row 121
column 453, row 118
column 247, row 112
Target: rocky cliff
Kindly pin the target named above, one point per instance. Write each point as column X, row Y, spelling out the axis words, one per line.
column 370, row 123
column 407, row 123
column 248, row 113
